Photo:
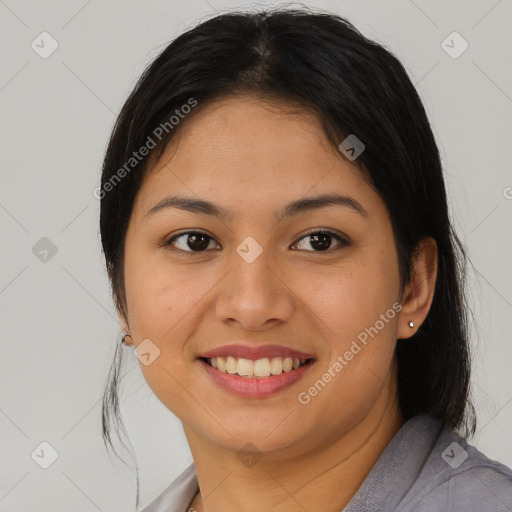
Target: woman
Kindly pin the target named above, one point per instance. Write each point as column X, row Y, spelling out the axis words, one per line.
column 276, row 232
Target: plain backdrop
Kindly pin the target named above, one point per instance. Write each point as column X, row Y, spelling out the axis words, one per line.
column 58, row 322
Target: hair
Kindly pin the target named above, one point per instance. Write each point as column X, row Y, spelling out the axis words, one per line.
column 353, row 85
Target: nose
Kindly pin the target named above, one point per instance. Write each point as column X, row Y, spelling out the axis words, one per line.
column 255, row 295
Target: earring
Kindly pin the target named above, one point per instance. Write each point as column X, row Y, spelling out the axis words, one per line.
column 411, row 324
column 126, row 335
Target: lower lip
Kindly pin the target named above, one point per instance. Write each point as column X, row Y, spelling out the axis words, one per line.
column 255, row 387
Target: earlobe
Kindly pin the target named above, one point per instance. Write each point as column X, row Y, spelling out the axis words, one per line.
column 419, row 292
column 126, row 339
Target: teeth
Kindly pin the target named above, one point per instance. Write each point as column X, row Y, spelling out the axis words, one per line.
column 259, row 368
column 276, row 365
column 262, row 367
column 245, row 367
column 231, row 365
column 287, row 364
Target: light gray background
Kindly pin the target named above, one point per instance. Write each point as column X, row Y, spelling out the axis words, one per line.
column 58, row 322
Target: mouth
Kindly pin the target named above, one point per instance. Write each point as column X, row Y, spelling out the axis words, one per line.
column 263, row 368
column 253, row 371
column 259, row 377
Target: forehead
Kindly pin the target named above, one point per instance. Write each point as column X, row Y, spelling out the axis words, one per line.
column 241, row 127
column 250, row 151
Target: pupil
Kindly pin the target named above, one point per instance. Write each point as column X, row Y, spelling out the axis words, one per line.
column 199, row 239
column 322, row 241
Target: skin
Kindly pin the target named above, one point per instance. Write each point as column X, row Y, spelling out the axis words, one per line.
column 252, row 157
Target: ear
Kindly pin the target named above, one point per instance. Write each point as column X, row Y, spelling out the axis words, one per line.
column 419, row 292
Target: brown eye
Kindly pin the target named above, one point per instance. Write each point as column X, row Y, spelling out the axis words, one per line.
column 196, row 241
column 321, row 241
column 191, row 241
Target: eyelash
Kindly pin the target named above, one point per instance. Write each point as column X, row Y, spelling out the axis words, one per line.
column 343, row 241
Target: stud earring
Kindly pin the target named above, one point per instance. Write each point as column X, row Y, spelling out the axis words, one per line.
column 126, row 335
column 411, row 324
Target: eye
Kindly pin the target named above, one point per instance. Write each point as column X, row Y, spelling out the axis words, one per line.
column 190, row 241
column 197, row 241
column 321, row 241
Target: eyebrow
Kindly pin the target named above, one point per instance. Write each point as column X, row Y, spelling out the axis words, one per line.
column 295, row 207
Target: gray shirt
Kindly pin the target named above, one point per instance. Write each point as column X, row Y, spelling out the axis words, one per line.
column 425, row 468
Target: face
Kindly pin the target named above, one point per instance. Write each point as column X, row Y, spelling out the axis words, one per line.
column 269, row 285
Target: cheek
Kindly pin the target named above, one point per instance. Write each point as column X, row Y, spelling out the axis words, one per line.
column 357, row 305
column 160, row 295
column 351, row 297
column 358, row 313
column 160, row 300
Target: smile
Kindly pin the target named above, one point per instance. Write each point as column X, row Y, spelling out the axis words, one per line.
column 259, row 368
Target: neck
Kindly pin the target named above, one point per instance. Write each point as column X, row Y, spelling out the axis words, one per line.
column 325, row 478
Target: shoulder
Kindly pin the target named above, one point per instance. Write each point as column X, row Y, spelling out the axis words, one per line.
column 458, row 477
column 178, row 495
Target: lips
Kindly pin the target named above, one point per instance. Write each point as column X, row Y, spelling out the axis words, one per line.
column 271, row 380
column 254, row 387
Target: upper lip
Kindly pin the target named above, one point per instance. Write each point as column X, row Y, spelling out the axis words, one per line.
column 256, row 352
